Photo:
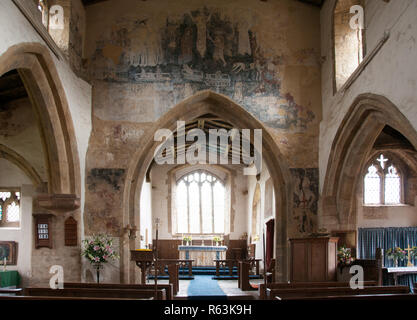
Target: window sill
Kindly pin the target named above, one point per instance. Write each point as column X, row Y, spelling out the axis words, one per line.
column 386, row 205
column 30, row 12
column 10, row 228
column 366, row 60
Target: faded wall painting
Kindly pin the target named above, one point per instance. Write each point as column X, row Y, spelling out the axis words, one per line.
column 166, row 62
column 103, row 201
column 306, row 194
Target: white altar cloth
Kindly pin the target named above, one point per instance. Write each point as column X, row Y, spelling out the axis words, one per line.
column 203, row 256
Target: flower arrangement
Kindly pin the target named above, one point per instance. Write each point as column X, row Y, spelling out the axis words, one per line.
column 216, row 239
column 396, row 254
column 413, row 252
column 344, row 257
column 187, row 238
column 99, row 249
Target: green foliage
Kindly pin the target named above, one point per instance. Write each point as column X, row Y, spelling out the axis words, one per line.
column 187, row 238
column 216, row 239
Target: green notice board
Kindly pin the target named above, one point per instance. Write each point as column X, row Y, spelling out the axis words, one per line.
column 9, row 278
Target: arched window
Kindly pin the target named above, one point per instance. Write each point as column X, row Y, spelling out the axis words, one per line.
column 348, row 42
column 372, row 188
column 382, row 183
column 9, row 208
column 200, row 204
column 392, row 186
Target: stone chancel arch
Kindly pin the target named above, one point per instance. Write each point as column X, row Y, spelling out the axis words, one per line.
column 208, row 102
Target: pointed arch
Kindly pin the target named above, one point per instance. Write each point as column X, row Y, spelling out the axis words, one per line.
column 37, row 69
column 202, row 103
column 351, row 148
column 21, row 163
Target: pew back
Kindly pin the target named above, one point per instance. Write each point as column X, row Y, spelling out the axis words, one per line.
column 342, row 291
column 377, row 297
column 97, row 293
column 52, row 298
column 168, row 287
column 327, row 284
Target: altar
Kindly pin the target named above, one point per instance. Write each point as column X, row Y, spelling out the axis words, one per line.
column 394, row 273
column 203, row 256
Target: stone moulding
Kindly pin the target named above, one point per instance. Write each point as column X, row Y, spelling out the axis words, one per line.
column 58, row 202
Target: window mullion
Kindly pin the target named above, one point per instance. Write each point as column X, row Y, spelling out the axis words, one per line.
column 383, row 188
column 188, row 207
column 212, row 207
column 200, row 205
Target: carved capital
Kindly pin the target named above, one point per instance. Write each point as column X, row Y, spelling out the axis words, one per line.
column 58, row 202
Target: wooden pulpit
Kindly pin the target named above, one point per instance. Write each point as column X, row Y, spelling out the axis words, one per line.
column 143, row 259
column 313, row 259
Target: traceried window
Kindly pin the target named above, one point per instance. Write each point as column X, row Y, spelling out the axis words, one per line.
column 200, row 204
column 9, row 207
column 382, row 183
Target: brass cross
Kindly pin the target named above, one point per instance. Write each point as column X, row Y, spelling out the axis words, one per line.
column 409, row 264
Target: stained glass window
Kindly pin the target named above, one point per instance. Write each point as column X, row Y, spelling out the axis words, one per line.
column 200, row 204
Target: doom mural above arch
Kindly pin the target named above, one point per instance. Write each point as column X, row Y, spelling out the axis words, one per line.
column 165, row 60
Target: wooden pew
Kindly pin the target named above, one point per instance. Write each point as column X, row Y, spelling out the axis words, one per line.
column 245, row 267
column 52, row 298
column 96, row 293
column 168, row 287
column 173, row 270
column 328, row 292
column 326, row 284
column 377, row 297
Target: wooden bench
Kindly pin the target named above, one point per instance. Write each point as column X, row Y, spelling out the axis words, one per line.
column 168, row 287
column 243, row 273
column 327, row 284
column 52, row 298
column 342, row 291
column 97, row 293
column 378, row 297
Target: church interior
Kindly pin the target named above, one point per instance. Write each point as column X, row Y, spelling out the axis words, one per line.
column 208, row 149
